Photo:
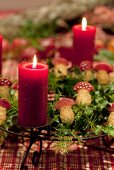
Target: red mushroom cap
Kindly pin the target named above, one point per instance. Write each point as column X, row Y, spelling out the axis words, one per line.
column 4, row 103
column 28, row 53
column 47, row 47
column 5, row 82
column 99, row 44
column 45, row 42
column 60, row 60
column 85, row 65
column 64, row 102
column 19, row 42
column 111, row 107
column 103, row 66
column 5, row 45
column 83, row 85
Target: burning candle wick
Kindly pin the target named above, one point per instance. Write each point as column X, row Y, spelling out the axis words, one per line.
column 84, row 24
column 34, row 62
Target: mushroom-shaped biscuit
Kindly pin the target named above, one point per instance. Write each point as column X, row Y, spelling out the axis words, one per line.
column 99, row 44
column 111, row 115
column 83, row 89
column 102, row 72
column 18, row 45
column 66, row 112
column 111, row 76
column 6, row 48
column 86, row 67
column 28, row 53
column 47, row 47
column 110, row 45
column 4, row 87
column 61, row 65
column 4, row 105
column 10, row 70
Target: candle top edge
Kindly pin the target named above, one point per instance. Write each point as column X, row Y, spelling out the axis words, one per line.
column 79, row 27
column 29, row 66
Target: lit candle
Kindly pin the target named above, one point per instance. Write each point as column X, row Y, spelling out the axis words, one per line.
column 33, row 94
column 83, row 42
column 0, row 54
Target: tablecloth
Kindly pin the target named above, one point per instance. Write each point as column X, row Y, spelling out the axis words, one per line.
column 80, row 158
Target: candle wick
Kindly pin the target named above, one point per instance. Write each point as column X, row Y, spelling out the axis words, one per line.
column 83, row 29
column 34, row 66
column 34, row 62
column 84, row 24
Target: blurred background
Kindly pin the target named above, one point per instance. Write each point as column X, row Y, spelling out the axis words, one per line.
column 21, row 4
column 34, row 19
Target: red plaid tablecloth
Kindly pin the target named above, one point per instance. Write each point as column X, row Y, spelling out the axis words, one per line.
column 81, row 158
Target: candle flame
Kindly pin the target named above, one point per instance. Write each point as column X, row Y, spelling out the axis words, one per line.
column 34, row 62
column 84, row 24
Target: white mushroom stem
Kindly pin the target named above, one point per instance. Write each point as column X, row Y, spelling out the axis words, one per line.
column 60, row 70
column 102, row 77
column 88, row 75
column 83, row 97
column 111, row 77
column 66, row 114
column 4, row 91
column 2, row 114
column 111, row 118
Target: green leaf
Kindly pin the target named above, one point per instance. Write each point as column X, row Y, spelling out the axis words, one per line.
column 109, row 130
column 98, row 129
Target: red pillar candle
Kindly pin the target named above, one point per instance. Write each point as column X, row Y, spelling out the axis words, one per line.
column 0, row 54
column 33, row 94
column 83, row 42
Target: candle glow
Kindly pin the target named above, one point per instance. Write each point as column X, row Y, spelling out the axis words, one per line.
column 34, row 62
column 84, row 24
